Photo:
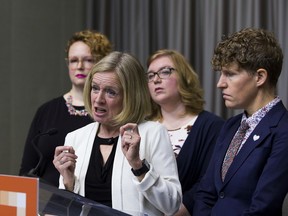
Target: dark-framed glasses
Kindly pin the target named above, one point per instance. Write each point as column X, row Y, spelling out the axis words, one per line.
column 163, row 73
column 86, row 62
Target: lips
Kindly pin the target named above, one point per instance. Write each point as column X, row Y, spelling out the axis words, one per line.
column 99, row 111
column 225, row 96
column 81, row 76
column 158, row 89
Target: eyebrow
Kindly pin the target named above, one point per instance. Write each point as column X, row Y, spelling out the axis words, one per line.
column 160, row 69
column 88, row 56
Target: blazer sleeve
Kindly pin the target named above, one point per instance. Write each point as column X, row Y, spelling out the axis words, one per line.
column 161, row 184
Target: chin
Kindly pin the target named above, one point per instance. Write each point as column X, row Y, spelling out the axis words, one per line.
column 97, row 119
column 100, row 120
column 79, row 82
column 230, row 105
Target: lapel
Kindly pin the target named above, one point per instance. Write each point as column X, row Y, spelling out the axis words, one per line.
column 262, row 130
column 255, row 139
column 118, row 164
column 86, row 140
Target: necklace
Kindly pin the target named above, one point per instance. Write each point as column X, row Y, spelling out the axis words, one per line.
column 72, row 110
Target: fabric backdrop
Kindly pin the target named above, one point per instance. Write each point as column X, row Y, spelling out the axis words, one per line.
column 35, row 32
column 193, row 27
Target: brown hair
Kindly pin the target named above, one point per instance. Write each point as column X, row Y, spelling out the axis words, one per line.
column 251, row 49
column 188, row 83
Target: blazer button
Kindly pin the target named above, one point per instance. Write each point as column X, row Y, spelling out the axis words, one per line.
column 221, row 194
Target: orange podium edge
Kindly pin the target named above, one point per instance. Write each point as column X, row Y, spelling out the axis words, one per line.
column 18, row 195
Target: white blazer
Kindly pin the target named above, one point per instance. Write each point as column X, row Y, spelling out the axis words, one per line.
column 158, row 193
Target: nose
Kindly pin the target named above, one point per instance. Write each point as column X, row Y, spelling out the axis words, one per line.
column 80, row 64
column 100, row 97
column 156, row 78
column 221, row 82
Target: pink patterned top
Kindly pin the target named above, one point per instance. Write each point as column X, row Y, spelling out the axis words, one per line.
column 179, row 135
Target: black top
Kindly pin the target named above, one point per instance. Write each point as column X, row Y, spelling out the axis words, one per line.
column 52, row 114
column 99, row 175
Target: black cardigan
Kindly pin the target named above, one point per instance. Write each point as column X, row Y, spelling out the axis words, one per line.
column 195, row 154
column 52, row 114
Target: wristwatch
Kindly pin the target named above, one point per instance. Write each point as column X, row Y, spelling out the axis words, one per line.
column 144, row 169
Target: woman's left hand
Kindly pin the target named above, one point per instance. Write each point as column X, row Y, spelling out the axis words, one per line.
column 130, row 144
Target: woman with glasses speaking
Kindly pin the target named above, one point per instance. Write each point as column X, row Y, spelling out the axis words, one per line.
column 178, row 103
column 66, row 112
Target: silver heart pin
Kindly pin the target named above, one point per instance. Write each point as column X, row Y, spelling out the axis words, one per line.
column 256, row 137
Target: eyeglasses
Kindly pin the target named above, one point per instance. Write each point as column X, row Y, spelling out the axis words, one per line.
column 163, row 73
column 86, row 62
column 109, row 92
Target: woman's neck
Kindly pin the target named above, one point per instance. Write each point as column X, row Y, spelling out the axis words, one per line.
column 175, row 118
column 108, row 132
column 77, row 96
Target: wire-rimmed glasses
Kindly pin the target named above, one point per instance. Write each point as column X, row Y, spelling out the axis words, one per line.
column 87, row 62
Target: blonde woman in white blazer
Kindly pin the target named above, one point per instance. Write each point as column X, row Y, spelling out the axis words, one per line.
column 123, row 161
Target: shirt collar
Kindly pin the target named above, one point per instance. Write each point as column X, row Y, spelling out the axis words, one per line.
column 259, row 114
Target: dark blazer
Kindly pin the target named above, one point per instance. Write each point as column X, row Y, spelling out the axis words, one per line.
column 196, row 153
column 257, row 180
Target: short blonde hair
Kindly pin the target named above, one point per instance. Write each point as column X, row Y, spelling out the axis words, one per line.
column 188, row 83
column 132, row 78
